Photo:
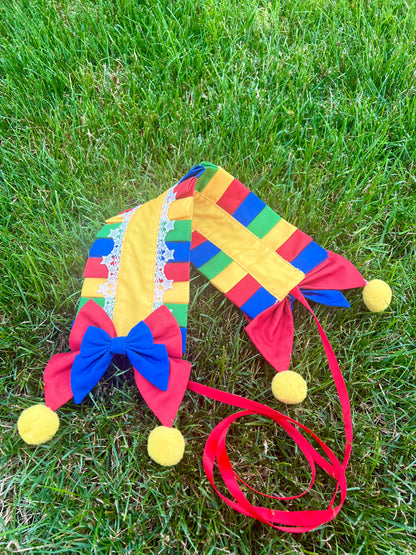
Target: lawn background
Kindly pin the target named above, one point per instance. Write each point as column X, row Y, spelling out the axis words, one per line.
column 105, row 104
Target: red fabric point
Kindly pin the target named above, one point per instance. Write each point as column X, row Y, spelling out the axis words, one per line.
column 185, row 189
column 244, row 289
column 294, row 245
column 95, row 269
column 165, row 329
column 91, row 314
column 272, row 333
column 233, row 196
column 336, row 272
column 197, row 239
column 57, row 374
column 57, row 378
column 178, row 271
column 165, row 404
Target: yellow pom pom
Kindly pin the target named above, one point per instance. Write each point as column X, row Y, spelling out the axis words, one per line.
column 166, row 446
column 289, row 387
column 377, row 295
column 37, row 424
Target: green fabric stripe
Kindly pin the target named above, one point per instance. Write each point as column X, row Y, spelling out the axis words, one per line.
column 209, row 165
column 99, row 300
column 263, row 222
column 180, row 311
column 181, row 232
column 105, row 231
column 206, row 177
column 216, row 265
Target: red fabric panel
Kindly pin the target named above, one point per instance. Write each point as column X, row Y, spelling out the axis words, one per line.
column 336, row 272
column 233, row 196
column 272, row 333
column 57, row 374
column 197, row 239
column 178, row 271
column 91, row 314
column 294, row 245
column 165, row 329
column 244, row 289
column 57, row 378
column 95, row 269
column 165, row 404
column 185, row 189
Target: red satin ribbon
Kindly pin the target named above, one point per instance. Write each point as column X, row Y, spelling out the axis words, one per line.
column 216, row 452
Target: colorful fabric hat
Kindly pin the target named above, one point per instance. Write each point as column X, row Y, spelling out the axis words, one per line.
column 134, row 302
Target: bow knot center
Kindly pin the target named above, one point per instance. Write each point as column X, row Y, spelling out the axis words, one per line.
column 118, row 345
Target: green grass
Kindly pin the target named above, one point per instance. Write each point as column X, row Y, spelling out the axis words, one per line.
column 105, row 104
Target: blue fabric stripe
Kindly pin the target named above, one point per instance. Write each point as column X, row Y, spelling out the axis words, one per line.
column 248, row 209
column 329, row 297
column 196, row 171
column 101, row 247
column 309, row 258
column 258, row 302
column 182, row 250
column 202, row 253
column 183, row 333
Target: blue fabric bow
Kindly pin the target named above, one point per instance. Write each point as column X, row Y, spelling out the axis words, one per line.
column 98, row 349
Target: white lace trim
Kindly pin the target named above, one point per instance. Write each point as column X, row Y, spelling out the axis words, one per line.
column 112, row 261
column 163, row 254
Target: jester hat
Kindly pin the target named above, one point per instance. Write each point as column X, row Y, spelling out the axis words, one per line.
column 134, row 302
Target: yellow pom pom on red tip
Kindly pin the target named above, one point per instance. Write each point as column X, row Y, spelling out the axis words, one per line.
column 377, row 295
column 289, row 387
column 166, row 446
column 37, row 424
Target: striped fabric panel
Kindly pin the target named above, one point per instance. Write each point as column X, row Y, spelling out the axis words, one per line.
column 290, row 243
column 95, row 271
column 178, row 269
column 178, row 241
column 225, row 274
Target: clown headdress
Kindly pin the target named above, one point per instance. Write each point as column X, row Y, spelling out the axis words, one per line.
column 134, row 302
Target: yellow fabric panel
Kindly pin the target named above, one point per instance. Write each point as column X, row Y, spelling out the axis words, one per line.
column 229, row 277
column 279, row 234
column 273, row 272
column 218, row 184
column 135, row 289
column 115, row 220
column 90, row 287
column 179, row 293
column 181, row 209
